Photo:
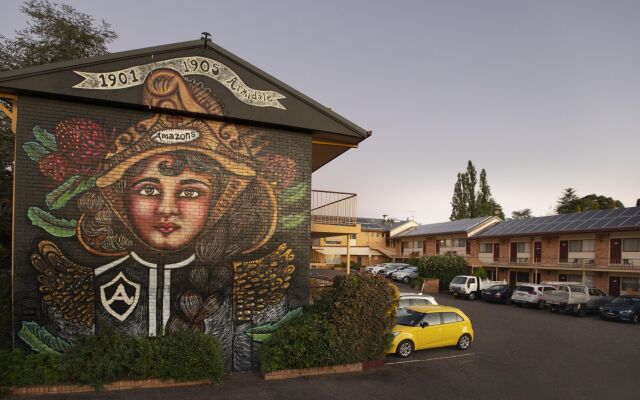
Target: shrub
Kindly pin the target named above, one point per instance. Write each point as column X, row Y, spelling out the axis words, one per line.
column 417, row 283
column 101, row 358
column 443, row 267
column 413, row 261
column 350, row 322
column 480, row 273
column 190, row 356
column 18, row 368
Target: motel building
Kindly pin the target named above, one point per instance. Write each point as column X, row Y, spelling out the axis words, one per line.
column 600, row 248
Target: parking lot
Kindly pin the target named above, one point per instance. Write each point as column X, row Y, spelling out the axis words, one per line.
column 518, row 353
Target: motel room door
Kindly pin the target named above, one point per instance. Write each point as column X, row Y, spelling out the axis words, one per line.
column 614, row 286
column 564, row 251
column 496, row 252
column 514, row 252
column 616, row 251
column 537, row 252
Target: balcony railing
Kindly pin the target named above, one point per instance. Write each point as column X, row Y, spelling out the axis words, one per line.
column 333, row 208
column 568, row 263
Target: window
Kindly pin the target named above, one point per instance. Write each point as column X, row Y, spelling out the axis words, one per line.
column 631, row 245
column 486, row 247
column 523, row 247
column 578, row 246
column 459, row 243
column 450, row 318
column 332, row 242
column 630, row 284
column 432, row 319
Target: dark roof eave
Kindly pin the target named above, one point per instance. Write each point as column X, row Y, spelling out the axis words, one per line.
column 360, row 133
column 429, row 234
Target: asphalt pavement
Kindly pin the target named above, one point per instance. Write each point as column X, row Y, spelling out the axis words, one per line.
column 518, row 353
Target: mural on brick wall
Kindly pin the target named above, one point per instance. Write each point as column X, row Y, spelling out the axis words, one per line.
column 175, row 207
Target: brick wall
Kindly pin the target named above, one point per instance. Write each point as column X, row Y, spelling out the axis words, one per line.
column 201, row 231
column 550, row 249
column 602, row 243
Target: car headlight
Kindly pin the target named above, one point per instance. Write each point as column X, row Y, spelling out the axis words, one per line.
column 601, row 308
column 626, row 311
column 395, row 334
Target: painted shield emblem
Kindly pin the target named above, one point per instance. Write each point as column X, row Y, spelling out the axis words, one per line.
column 120, row 296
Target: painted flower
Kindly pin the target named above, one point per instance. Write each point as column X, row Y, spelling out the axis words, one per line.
column 281, row 170
column 82, row 140
column 57, row 167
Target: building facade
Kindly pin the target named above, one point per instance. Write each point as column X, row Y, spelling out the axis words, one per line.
column 163, row 189
column 600, row 248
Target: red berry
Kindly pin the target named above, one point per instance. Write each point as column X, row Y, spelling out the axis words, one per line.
column 54, row 166
column 81, row 140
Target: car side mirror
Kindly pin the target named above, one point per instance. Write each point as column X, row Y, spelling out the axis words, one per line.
column 424, row 324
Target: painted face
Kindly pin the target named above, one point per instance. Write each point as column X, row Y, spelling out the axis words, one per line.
column 168, row 212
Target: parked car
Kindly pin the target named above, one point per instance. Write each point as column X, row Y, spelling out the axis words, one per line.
column 397, row 267
column 470, row 286
column 498, row 294
column 405, row 275
column 374, row 269
column 387, row 267
column 622, row 308
column 419, row 299
column 426, row 327
column 530, row 294
column 579, row 299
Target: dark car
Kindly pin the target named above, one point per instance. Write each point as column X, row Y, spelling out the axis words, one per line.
column 498, row 294
column 622, row 308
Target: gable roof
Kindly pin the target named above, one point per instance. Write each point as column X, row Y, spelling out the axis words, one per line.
column 617, row 219
column 249, row 95
column 442, row 228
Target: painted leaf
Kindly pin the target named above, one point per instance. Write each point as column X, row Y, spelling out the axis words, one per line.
column 264, row 332
column 40, row 340
column 52, row 225
column 294, row 194
column 68, row 190
column 292, row 221
column 35, row 150
column 44, row 137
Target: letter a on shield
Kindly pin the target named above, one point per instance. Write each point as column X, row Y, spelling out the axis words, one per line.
column 120, row 296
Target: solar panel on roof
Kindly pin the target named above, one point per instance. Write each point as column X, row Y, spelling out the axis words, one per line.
column 633, row 221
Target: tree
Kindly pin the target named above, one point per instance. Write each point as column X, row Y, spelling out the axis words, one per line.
column 521, row 214
column 469, row 203
column 569, row 202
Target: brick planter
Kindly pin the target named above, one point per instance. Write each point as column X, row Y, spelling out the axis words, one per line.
column 119, row 385
column 296, row 373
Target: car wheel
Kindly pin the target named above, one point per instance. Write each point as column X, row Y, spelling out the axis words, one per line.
column 405, row 348
column 406, row 279
column 464, row 342
column 472, row 296
column 635, row 319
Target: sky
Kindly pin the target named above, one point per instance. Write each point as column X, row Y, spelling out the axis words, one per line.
column 544, row 95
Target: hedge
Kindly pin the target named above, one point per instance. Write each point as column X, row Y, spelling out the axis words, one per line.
column 350, row 322
column 108, row 356
column 443, row 267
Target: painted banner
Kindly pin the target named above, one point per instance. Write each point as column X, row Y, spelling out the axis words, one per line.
column 134, row 76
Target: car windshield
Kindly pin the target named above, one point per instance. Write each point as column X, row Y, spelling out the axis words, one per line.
column 527, row 289
column 408, row 317
column 626, row 300
column 459, row 279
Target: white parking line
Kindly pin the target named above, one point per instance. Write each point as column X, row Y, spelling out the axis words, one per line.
column 431, row 359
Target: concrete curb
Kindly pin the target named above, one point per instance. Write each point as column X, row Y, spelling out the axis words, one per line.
column 113, row 386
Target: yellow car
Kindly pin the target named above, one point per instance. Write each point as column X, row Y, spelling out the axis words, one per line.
column 426, row 327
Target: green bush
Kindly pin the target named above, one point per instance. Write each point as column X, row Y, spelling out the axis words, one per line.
column 101, row 358
column 443, row 267
column 417, row 283
column 18, row 368
column 350, row 322
column 481, row 273
column 413, row 261
column 5, row 310
column 187, row 356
